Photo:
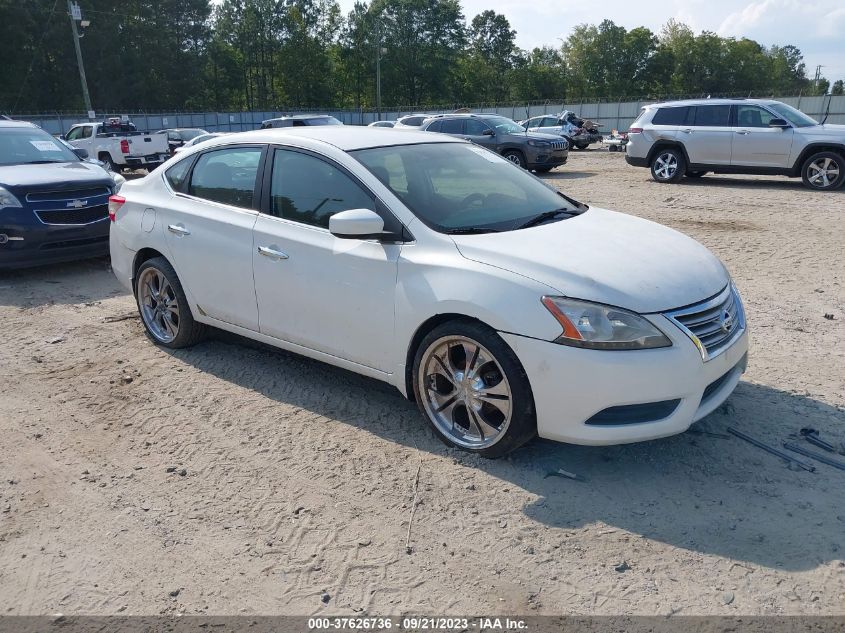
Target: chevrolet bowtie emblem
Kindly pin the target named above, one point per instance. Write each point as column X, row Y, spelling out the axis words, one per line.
column 77, row 204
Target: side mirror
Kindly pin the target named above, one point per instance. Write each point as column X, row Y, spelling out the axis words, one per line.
column 781, row 123
column 489, row 132
column 358, row 224
column 81, row 153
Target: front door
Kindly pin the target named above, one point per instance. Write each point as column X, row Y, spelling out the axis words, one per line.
column 755, row 143
column 325, row 293
column 209, row 232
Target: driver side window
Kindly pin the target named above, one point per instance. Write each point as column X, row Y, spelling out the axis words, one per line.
column 752, row 116
column 309, row 190
column 74, row 134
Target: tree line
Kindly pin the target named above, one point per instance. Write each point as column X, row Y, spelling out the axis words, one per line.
column 274, row 54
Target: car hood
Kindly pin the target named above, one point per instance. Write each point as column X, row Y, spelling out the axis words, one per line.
column 607, row 257
column 828, row 129
column 56, row 176
column 540, row 135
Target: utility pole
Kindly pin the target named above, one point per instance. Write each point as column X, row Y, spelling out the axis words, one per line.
column 75, row 14
column 817, row 79
column 378, row 69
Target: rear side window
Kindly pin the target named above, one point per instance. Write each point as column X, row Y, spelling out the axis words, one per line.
column 413, row 120
column 452, row 126
column 671, row 116
column 712, row 115
column 227, row 176
column 176, row 175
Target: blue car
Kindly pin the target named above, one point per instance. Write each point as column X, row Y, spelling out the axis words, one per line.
column 53, row 203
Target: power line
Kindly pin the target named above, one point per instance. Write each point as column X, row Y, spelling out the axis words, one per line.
column 35, row 54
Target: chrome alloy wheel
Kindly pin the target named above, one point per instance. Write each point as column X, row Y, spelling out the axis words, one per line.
column 465, row 392
column 665, row 166
column 159, row 306
column 823, row 172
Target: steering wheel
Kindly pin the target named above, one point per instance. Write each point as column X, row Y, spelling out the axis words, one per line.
column 473, row 197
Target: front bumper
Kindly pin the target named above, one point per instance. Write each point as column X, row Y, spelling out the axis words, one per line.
column 24, row 241
column 546, row 158
column 571, row 386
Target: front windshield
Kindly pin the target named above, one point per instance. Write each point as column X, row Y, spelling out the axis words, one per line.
column 460, row 187
column 28, row 146
column 505, row 125
column 795, row 117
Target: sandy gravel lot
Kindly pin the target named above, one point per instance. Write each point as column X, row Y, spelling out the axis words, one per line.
column 232, row 478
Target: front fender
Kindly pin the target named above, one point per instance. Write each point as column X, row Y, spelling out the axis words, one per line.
column 429, row 285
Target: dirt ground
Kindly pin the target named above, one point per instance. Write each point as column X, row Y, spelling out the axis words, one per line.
column 232, row 478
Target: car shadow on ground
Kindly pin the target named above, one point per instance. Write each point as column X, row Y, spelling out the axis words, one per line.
column 561, row 174
column 773, row 183
column 83, row 281
column 704, row 493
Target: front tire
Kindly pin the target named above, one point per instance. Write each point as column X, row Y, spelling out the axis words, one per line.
column 164, row 307
column 472, row 389
column 668, row 165
column 515, row 157
column 824, row 171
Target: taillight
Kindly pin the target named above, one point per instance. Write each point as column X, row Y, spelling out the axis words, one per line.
column 124, row 146
column 635, row 130
column 115, row 202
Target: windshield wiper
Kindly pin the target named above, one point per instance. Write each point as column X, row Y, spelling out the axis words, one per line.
column 539, row 219
column 471, row 230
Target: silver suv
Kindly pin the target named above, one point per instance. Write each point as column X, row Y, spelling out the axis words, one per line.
column 736, row 136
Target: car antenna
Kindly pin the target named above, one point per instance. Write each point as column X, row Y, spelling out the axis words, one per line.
column 827, row 112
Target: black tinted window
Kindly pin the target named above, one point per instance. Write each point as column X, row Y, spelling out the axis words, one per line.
column 452, row 126
column 309, row 190
column 474, row 127
column 434, row 126
column 670, row 116
column 227, row 176
column 176, row 175
column 712, row 115
column 413, row 120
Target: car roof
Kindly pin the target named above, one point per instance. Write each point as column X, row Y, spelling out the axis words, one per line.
column 688, row 102
column 344, row 137
column 10, row 123
column 299, row 117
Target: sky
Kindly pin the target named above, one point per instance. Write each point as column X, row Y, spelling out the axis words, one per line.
column 817, row 27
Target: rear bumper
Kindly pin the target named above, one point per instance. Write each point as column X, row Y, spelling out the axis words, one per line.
column 635, row 161
column 603, row 397
column 152, row 159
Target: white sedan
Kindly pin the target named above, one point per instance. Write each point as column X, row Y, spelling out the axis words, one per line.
column 504, row 308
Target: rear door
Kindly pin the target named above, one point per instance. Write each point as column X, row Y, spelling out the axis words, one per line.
column 208, row 228
column 756, row 144
column 708, row 139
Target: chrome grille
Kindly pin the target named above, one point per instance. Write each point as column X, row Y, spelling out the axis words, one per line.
column 558, row 144
column 713, row 325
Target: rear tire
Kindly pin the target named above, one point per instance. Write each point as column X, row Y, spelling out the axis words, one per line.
column 668, row 165
column 516, row 157
column 163, row 306
column 472, row 389
column 824, row 171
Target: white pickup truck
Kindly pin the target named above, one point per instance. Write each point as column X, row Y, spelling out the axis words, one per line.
column 119, row 144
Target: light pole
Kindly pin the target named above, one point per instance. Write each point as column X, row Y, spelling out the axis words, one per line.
column 75, row 14
column 378, row 69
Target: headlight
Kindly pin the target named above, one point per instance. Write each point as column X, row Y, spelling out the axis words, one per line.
column 534, row 143
column 596, row 326
column 7, row 199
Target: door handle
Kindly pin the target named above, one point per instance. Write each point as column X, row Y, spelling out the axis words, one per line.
column 687, row 131
column 272, row 253
column 743, row 132
column 178, row 230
